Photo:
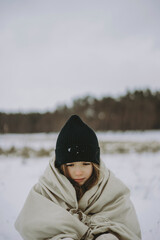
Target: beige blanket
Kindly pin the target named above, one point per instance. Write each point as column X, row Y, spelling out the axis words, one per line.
column 51, row 210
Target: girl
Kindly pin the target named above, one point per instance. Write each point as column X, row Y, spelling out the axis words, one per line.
column 78, row 197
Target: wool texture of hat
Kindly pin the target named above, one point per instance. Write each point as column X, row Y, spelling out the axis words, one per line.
column 76, row 142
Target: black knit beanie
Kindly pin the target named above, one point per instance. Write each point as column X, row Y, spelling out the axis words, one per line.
column 76, row 142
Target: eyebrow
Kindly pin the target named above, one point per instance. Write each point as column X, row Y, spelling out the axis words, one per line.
column 67, row 164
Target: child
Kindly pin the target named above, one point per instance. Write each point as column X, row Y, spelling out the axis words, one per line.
column 78, row 197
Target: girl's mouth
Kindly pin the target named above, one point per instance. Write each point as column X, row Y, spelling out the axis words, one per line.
column 79, row 180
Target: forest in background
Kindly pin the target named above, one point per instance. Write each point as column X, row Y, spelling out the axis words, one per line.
column 137, row 110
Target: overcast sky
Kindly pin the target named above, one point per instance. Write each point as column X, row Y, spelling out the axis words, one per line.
column 54, row 51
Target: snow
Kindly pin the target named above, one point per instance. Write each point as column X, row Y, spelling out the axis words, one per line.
column 150, row 135
column 140, row 171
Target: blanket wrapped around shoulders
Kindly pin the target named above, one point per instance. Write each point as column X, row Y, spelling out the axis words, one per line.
column 51, row 210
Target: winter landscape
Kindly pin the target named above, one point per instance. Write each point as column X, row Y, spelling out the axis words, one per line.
column 133, row 156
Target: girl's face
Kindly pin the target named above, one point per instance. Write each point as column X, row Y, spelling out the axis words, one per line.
column 80, row 172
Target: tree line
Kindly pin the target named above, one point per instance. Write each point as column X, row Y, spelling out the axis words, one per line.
column 137, row 110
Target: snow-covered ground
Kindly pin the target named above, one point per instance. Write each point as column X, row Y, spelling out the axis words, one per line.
column 133, row 156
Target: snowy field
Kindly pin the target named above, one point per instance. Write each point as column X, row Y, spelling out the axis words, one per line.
column 133, row 156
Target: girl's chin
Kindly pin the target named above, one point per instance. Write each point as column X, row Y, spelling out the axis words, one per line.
column 80, row 184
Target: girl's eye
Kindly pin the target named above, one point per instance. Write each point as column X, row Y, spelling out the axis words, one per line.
column 70, row 165
column 86, row 164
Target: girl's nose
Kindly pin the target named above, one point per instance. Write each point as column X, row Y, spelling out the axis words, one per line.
column 78, row 171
